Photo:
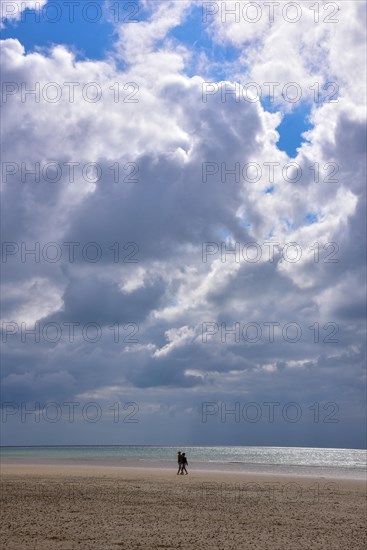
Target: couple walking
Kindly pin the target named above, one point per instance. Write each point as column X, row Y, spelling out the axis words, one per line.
column 182, row 463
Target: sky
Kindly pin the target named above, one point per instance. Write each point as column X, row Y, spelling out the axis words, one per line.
column 183, row 223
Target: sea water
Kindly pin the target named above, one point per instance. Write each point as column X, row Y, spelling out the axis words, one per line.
column 343, row 463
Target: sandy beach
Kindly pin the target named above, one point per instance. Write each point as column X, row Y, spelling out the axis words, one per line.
column 96, row 507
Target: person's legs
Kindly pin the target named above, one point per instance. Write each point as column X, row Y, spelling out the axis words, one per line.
column 179, row 462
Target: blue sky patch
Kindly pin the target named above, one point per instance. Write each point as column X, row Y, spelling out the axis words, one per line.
column 90, row 32
column 291, row 129
column 193, row 34
column 311, row 218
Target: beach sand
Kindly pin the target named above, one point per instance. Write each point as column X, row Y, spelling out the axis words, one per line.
column 50, row 507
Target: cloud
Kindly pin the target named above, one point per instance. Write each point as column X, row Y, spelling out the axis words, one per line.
column 132, row 245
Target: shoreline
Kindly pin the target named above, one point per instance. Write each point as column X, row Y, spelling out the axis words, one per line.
column 62, row 467
column 316, row 472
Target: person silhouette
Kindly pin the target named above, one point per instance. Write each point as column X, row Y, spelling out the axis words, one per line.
column 184, row 464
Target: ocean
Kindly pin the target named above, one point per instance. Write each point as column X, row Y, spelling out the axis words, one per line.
column 340, row 463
